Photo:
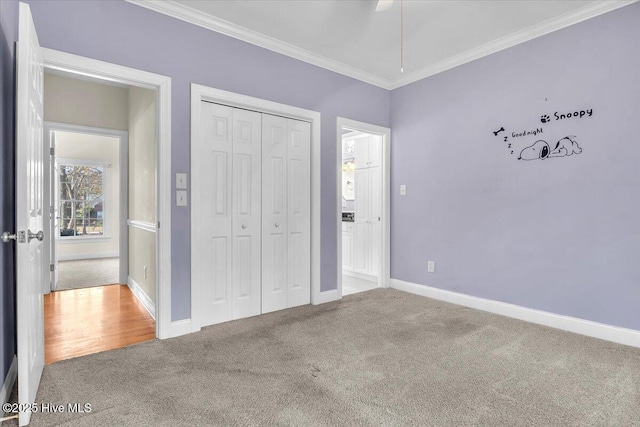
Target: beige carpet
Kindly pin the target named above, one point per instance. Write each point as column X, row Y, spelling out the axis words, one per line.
column 88, row 273
column 381, row 357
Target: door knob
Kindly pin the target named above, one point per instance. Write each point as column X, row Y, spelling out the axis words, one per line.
column 244, row 226
column 22, row 237
column 7, row 237
column 277, row 225
column 39, row 235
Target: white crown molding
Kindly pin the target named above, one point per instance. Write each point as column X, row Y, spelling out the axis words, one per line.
column 589, row 11
column 193, row 16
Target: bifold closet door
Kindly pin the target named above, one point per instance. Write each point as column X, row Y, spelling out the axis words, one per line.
column 247, row 176
column 226, row 199
column 286, row 241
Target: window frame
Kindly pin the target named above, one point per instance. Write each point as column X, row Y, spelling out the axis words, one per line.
column 106, row 212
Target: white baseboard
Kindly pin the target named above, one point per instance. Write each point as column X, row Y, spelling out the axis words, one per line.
column 9, row 381
column 602, row 331
column 326, row 296
column 360, row 276
column 181, row 327
column 95, row 255
column 142, row 296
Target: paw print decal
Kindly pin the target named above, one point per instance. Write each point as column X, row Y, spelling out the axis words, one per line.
column 544, row 119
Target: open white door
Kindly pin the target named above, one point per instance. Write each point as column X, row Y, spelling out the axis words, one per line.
column 29, row 211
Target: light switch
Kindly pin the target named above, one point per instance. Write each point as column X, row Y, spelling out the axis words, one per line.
column 403, row 190
column 181, row 181
column 181, row 198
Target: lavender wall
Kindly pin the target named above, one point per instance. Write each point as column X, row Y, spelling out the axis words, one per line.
column 561, row 234
column 8, row 37
column 129, row 35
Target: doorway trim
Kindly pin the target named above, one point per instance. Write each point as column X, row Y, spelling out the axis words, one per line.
column 91, row 68
column 123, row 184
column 201, row 93
column 384, row 277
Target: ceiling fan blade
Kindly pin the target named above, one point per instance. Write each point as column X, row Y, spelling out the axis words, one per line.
column 384, row 5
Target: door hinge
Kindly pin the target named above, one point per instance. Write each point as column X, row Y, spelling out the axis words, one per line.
column 158, row 224
column 52, row 209
column 52, row 151
column 52, row 267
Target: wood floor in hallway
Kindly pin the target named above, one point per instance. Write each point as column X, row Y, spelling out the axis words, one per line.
column 84, row 321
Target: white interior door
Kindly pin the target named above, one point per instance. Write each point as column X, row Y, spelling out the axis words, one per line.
column 247, row 167
column 29, row 211
column 274, row 213
column 212, row 198
column 298, row 213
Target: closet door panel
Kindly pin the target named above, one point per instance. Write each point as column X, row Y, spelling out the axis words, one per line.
column 274, row 213
column 362, row 150
column 362, row 194
column 212, row 200
column 298, row 213
column 362, row 241
column 247, row 166
column 375, row 150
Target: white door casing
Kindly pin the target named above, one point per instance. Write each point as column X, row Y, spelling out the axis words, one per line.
column 29, row 210
column 82, row 66
column 52, row 195
column 201, row 93
column 376, row 233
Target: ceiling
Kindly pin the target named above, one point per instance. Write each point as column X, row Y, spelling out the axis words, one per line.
column 350, row 37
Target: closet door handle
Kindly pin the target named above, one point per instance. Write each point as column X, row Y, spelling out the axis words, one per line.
column 244, row 226
column 277, row 225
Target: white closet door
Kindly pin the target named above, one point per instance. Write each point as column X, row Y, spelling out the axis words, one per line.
column 298, row 213
column 247, row 166
column 362, row 152
column 274, row 213
column 375, row 150
column 212, row 196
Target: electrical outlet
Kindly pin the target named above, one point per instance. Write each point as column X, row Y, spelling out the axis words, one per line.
column 403, row 190
column 431, row 267
column 145, row 271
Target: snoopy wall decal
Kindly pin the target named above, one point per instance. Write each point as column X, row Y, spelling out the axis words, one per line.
column 541, row 150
